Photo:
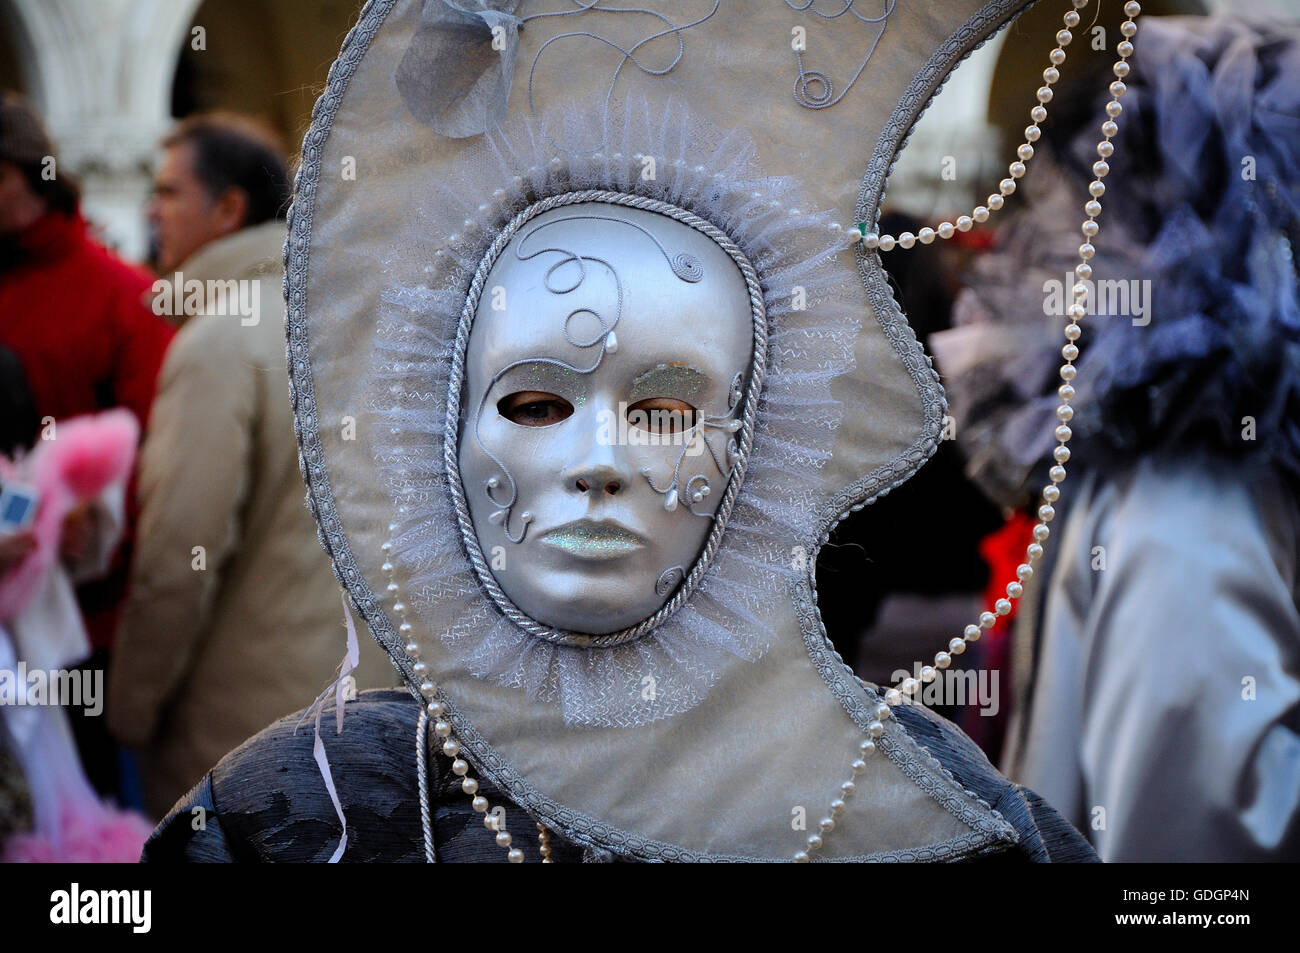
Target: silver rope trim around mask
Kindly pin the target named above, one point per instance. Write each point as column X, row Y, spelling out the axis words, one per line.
column 745, row 432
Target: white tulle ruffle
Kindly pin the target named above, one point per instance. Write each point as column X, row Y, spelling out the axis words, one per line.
column 767, row 536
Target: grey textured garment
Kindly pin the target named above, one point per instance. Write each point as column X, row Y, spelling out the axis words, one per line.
column 1166, row 701
column 265, row 801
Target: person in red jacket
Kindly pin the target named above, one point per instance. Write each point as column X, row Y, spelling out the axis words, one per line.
column 78, row 319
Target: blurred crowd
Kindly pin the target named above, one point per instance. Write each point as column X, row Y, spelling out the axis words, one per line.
column 152, row 525
column 193, row 576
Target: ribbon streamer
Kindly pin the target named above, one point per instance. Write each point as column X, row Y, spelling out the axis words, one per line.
column 338, row 688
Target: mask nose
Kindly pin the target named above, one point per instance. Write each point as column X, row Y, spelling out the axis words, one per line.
column 597, row 472
column 597, row 480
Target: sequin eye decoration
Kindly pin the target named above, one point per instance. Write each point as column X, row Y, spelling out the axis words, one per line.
column 675, row 381
column 549, row 378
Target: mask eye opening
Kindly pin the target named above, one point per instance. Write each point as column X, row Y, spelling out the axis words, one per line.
column 663, row 415
column 530, row 408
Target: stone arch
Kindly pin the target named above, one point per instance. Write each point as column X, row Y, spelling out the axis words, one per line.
column 100, row 72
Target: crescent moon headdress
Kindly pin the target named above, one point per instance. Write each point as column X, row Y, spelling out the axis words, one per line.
column 446, row 128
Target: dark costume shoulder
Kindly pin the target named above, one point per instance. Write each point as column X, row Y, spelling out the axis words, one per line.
column 266, row 800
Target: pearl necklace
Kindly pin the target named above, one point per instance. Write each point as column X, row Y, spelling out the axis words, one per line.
column 437, row 710
column 1024, row 152
column 1051, row 493
column 872, row 241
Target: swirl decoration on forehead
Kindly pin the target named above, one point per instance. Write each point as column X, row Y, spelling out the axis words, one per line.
column 502, row 490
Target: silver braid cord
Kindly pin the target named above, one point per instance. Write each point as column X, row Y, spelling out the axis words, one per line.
column 422, row 776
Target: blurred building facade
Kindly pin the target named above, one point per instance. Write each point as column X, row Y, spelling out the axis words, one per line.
column 110, row 76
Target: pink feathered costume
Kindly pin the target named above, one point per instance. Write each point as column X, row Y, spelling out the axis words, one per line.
column 78, row 460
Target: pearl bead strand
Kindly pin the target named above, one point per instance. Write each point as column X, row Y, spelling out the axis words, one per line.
column 438, row 710
column 1024, row 152
column 866, row 748
column 1064, row 413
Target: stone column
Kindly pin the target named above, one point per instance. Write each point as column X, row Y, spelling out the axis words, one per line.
column 101, row 72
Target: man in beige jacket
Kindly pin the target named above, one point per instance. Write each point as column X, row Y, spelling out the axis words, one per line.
column 234, row 617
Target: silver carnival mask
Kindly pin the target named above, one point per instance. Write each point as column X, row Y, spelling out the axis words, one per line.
column 605, row 379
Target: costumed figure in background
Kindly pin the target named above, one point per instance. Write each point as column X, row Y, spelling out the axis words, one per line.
column 83, row 464
column 1158, row 669
column 602, row 302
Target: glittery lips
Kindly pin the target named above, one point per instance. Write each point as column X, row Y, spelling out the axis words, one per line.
column 594, row 539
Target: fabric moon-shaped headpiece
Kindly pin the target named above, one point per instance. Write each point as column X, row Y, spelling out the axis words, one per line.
column 445, row 132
